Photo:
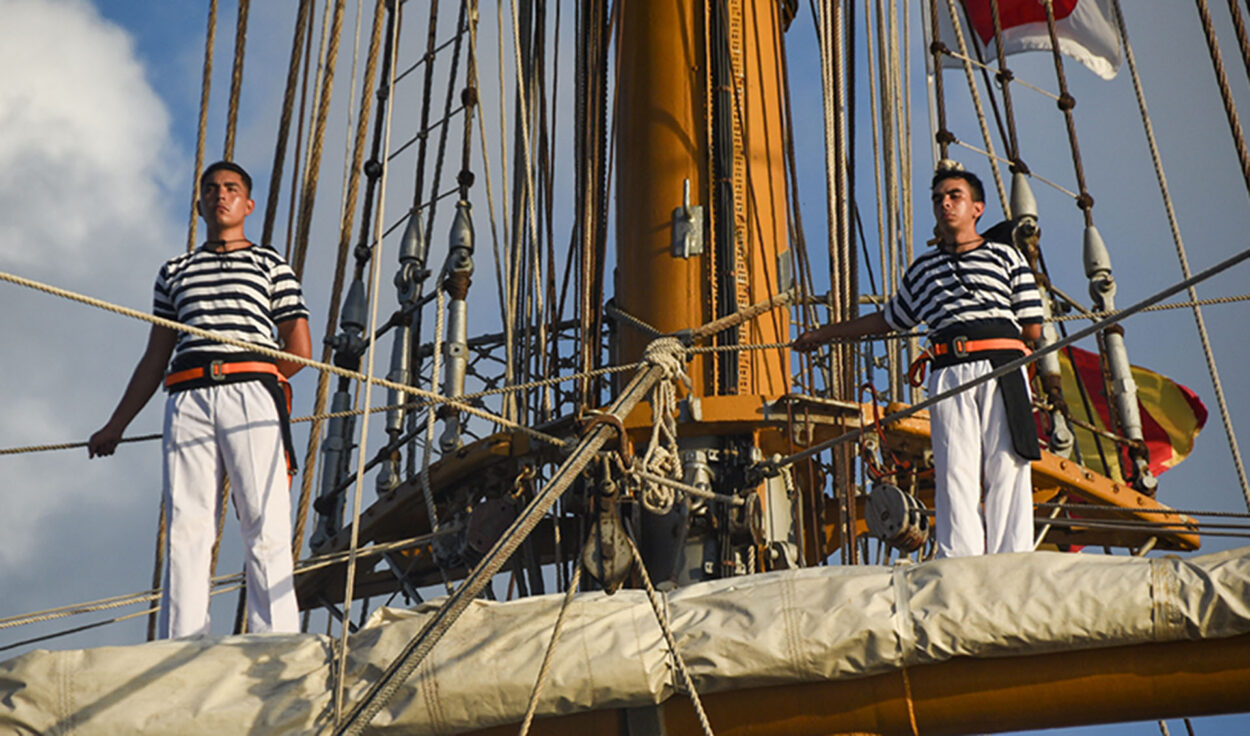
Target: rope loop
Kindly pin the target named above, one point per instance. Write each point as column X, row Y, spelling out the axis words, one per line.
column 656, row 497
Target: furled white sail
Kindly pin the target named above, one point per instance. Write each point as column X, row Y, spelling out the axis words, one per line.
column 797, row 626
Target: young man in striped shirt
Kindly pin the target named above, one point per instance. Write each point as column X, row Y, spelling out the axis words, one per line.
column 981, row 303
column 226, row 411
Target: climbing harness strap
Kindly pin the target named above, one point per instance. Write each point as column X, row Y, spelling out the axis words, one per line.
column 1015, row 391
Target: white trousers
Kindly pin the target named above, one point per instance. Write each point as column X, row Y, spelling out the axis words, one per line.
column 972, row 453
column 232, row 430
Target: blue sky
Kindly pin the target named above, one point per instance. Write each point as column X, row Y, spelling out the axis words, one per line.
column 97, row 138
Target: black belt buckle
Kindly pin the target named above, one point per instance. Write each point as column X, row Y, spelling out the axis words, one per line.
column 215, row 371
column 959, row 346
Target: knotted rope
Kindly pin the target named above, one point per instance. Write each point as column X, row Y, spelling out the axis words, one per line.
column 662, row 457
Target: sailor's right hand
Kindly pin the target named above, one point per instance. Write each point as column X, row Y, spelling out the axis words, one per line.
column 104, row 442
column 812, row 339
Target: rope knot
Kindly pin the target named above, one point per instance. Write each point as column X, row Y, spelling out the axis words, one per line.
column 667, row 354
column 663, row 457
column 656, row 497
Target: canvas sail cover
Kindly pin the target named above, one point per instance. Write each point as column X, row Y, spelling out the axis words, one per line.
column 796, row 626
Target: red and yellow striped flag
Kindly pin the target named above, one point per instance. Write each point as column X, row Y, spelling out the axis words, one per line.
column 1172, row 415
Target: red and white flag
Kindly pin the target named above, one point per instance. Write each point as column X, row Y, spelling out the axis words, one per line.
column 1086, row 30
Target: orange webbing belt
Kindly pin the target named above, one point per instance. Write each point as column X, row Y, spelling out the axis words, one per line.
column 219, row 369
column 961, row 346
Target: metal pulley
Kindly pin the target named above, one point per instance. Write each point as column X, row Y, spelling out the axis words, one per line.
column 746, row 522
column 606, row 554
column 897, row 518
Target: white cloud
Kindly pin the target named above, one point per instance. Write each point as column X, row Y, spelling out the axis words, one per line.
column 84, row 140
column 85, row 156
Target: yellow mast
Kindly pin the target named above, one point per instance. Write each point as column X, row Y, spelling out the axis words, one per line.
column 665, row 137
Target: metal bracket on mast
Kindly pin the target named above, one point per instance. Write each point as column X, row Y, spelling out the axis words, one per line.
column 687, row 226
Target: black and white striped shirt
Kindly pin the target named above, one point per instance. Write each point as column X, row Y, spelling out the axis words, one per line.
column 990, row 284
column 241, row 294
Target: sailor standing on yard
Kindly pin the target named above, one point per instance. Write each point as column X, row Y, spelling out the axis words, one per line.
column 979, row 299
column 226, row 410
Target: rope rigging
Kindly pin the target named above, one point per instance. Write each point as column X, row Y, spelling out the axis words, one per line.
column 202, row 128
column 348, row 209
column 236, row 78
column 1243, row 157
column 321, row 119
column 611, row 369
column 391, row 50
column 545, row 667
column 654, row 599
column 302, row 18
column 974, row 90
column 222, row 584
column 277, row 354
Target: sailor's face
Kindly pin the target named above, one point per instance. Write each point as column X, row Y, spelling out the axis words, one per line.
column 224, row 199
column 954, row 208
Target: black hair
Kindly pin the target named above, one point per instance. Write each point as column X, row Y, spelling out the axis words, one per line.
column 974, row 183
column 228, row 166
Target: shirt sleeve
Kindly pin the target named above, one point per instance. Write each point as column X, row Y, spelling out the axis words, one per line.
column 287, row 298
column 900, row 311
column 1026, row 300
column 162, row 301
